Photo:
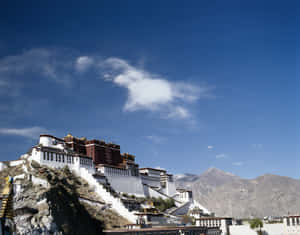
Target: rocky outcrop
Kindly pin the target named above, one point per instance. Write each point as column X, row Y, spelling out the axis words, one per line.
column 49, row 201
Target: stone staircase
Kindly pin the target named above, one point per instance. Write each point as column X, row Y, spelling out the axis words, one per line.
column 174, row 210
column 115, row 202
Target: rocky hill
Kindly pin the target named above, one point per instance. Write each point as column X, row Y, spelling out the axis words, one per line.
column 230, row 195
column 49, row 201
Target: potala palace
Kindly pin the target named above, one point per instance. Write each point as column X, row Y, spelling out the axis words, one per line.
column 96, row 160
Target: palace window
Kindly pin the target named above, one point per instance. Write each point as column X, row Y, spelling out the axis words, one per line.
column 44, row 155
column 51, row 155
column 48, row 155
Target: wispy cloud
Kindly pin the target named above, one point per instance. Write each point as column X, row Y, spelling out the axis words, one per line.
column 152, row 92
column 52, row 64
column 221, row 155
column 179, row 112
column 83, row 63
column 156, row 139
column 210, row 147
column 238, row 163
column 30, row 132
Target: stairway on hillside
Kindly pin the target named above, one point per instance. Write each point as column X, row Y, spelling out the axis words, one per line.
column 113, row 201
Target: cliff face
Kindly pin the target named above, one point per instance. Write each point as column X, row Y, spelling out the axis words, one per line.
column 229, row 195
column 49, row 201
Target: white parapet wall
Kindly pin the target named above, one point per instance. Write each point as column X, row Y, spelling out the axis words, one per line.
column 115, row 203
column 149, row 192
column 62, row 160
column 16, row 162
column 126, row 184
column 150, row 180
column 2, row 166
column 171, row 189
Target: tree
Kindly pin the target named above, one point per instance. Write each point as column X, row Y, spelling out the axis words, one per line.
column 257, row 224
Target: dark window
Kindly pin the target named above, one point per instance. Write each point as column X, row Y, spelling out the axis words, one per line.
column 44, row 155
column 48, row 156
column 51, row 156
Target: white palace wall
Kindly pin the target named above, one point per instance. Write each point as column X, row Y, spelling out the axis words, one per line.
column 73, row 162
column 171, row 189
column 150, row 180
column 126, row 184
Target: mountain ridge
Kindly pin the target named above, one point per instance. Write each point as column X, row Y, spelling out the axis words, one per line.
column 227, row 194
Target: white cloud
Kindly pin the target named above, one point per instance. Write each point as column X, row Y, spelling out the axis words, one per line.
column 83, row 63
column 237, row 163
column 221, row 155
column 210, row 147
column 31, row 132
column 156, row 139
column 148, row 91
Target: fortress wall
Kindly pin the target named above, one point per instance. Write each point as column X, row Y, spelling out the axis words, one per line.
column 16, row 163
column 152, row 181
column 152, row 193
column 126, row 184
column 76, row 164
column 2, row 166
column 171, row 189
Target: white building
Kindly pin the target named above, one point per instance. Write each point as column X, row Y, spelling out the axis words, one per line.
column 158, row 180
column 184, row 195
column 291, row 225
column 123, row 180
column 215, row 222
column 51, row 151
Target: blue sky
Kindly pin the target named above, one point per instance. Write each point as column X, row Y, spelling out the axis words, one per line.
column 183, row 86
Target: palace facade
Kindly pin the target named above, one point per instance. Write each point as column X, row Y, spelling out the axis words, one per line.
column 107, row 164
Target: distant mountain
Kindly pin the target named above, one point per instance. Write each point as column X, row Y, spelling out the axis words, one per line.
column 229, row 195
column 185, row 180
